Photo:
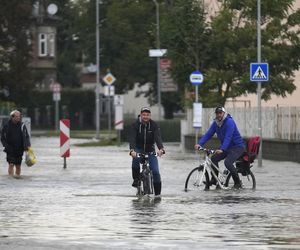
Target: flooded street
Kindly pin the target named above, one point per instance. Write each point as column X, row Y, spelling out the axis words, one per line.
column 91, row 205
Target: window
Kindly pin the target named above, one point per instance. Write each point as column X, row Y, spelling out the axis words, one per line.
column 42, row 44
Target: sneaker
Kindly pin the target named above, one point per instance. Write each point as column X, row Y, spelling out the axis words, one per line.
column 135, row 183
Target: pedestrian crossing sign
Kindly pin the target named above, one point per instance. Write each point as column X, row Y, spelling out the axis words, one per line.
column 259, row 72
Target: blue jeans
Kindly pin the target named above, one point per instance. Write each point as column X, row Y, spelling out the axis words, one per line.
column 231, row 156
column 153, row 162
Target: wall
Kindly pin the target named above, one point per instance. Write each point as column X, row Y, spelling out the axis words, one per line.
column 276, row 150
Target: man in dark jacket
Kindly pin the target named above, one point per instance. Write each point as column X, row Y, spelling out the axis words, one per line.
column 144, row 134
column 15, row 140
column 232, row 144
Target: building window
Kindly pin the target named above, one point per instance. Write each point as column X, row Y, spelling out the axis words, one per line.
column 42, row 44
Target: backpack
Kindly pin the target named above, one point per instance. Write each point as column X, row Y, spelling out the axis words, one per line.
column 252, row 149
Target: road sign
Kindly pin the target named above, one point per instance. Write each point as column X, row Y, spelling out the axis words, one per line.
column 167, row 83
column 109, row 79
column 55, row 87
column 197, row 115
column 109, row 90
column 259, row 72
column 64, row 138
column 119, row 123
column 56, row 96
column 196, row 78
column 119, row 100
column 157, row 52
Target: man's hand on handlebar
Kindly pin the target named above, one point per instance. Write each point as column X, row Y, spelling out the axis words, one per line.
column 161, row 152
column 219, row 151
column 197, row 146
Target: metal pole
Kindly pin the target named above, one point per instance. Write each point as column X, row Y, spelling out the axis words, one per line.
column 259, row 83
column 158, row 60
column 65, row 162
column 196, row 100
column 109, row 112
column 56, row 114
column 97, row 103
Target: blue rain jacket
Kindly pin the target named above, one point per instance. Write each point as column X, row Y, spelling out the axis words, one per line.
column 228, row 134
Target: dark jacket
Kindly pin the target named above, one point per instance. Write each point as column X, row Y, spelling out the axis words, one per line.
column 228, row 134
column 144, row 136
column 15, row 138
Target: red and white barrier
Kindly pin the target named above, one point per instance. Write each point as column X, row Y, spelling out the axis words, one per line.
column 64, row 126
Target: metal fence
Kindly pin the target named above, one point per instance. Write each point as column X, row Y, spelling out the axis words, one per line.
column 277, row 122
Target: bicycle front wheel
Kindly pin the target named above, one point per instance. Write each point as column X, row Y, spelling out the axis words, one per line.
column 197, row 179
column 147, row 184
column 248, row 181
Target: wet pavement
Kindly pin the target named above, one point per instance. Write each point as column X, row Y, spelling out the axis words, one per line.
column 91, row 205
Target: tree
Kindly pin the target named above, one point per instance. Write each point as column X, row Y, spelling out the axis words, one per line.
column 15, row 49
column 68, row 50
column 228, row 45
column 184, row 34
column 127, row 37
column 233, row 41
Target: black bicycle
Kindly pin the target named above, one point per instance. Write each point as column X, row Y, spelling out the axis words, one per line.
column 145, row 182
column 199, row 177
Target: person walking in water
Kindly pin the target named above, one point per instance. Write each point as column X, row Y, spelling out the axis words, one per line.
column 15, row 140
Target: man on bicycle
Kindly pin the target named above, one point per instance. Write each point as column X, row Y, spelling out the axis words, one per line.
column 232, row 144
column 144, row 133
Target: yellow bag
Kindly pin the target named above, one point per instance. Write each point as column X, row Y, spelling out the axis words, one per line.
column 30, row 158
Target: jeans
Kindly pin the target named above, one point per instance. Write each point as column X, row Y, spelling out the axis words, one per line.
column 231, row 156
column 153, row 162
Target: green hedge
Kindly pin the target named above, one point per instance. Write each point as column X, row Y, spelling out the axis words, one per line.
column 170, row 130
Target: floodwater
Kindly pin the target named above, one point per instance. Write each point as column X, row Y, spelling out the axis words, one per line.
column 91, row 205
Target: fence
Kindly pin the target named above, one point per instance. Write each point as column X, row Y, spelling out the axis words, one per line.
column 277, row 122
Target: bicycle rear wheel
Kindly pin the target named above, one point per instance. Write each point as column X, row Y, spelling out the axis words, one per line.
column 197, row 179
column 248, row 180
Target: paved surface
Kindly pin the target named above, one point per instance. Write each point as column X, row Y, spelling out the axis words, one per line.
column 91, row 205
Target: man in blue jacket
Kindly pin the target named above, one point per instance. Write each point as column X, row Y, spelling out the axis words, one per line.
column 232, row 144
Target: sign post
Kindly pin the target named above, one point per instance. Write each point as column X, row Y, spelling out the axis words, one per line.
column 196, row 78
column 119, row 121
column 56, row 88
column 109, row 79
column 65, row 139
column 259, row 72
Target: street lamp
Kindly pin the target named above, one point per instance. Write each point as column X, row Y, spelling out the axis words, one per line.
column 158, row 60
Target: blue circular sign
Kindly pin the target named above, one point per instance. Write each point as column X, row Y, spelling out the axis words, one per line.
column 196, row 78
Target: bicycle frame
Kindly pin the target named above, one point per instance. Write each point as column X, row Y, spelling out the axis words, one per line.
column 145, row 176
column 209, row 165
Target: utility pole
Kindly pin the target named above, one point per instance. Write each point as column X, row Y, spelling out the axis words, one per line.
column 259, row 83
column 97, row 93
column 158, row 59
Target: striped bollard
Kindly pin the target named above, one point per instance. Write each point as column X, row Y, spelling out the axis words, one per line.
column 64, row 127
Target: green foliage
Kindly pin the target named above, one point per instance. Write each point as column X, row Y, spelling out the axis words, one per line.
column 127, row 37
column 15, row 49
column 68, row 50
column 228, row 45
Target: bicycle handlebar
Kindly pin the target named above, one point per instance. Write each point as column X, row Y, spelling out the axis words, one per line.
column 207, row 151
column 140, row 155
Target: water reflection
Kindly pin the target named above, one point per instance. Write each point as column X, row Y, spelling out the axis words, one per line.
column 144, row 216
